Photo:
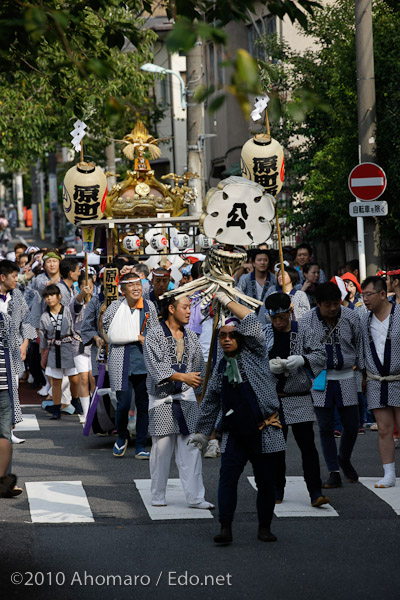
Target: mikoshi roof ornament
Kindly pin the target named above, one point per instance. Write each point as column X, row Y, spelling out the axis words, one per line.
column 84, row 186
column 141, row 194
column 262, row 161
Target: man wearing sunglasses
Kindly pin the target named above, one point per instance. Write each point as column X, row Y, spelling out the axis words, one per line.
column 241, row 386
column 381, row 339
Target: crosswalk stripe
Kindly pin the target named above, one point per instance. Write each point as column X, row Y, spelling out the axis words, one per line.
column 58, row 502
column 389, row 495
column 177, row 507
column 297, row 501
column 28, row 423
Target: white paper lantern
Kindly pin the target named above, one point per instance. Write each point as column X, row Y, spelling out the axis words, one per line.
column 84, row 193
column 158, row 241
column 181, row 241
column 204, row 241
column 262, row 161
column 131, row 242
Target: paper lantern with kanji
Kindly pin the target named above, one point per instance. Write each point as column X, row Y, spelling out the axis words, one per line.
column 84, row 193
column 262, row 161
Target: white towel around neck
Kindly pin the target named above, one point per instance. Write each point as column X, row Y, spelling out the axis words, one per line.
column 125, row 326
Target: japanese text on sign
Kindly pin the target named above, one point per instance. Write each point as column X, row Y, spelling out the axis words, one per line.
column 266, row 173
column 368, row 209
column 87, row 201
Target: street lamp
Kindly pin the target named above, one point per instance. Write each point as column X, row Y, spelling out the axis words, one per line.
column 150, row 68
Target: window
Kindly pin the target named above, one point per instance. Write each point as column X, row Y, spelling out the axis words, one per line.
column 219, row 67
column 211, row 61
column 266, row 25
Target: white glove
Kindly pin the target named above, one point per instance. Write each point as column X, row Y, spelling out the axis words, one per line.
column 223, row 298
column 294, row 362
column 199, row 440
column 277, row 365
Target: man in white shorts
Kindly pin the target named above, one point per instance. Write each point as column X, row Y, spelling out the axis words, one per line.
column 380, row 330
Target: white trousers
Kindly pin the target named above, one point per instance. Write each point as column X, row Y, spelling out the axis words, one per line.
column 188, row 461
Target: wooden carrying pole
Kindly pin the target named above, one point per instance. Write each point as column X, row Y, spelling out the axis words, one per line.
column 278, row 227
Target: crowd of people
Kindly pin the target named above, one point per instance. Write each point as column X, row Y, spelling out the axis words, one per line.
column 314, row 349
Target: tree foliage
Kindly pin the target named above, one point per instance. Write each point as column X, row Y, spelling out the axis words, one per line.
column 206, row 19
column 61, row 60
column 324, row 147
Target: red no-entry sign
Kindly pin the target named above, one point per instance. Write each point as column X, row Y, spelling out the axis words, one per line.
column 367, row 181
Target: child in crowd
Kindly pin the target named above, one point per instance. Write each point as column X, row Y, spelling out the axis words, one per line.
column 56, row 336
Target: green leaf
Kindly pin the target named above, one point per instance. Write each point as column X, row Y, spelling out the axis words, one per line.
column 182, row 37
column 202, row 92
column 247, row 69
column 100, row 68
column 216, row 103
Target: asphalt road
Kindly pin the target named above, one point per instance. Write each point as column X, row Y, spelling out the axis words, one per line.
column 353, row 556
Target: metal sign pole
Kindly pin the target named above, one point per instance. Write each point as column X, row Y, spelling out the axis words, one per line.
column 362, row 261
column 361, row 247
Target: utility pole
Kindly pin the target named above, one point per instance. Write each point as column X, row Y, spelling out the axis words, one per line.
column 35, row 195
column 195, row 125
column 53, row 193
column 19, row 197
column 366, row 105
column 110, row 165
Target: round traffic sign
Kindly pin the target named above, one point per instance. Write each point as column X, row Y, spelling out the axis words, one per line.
column 367, row 181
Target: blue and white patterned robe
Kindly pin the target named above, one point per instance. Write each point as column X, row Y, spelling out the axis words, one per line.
column 14, row 367
column 253, row 366
column 299, row 408
column 89, row 328
column 39, row 304
column 381, row 394
column 299, row 300
column 248, row 285
column 47, row 332
column 160, row 357
column 119, row 354
column 343, row 350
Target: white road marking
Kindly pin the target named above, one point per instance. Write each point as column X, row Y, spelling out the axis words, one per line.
column 28, row 423
column 389, row 495
column 177, row 507
column 58, row 502
column 296, row 502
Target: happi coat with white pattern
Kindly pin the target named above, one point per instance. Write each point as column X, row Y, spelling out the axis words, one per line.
column 90, row 328
column 14, row 365
column 295, row 398
column 383, row 393
column 343, row 348
column 253, row 364
column 119, row 354
column 160, row 355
